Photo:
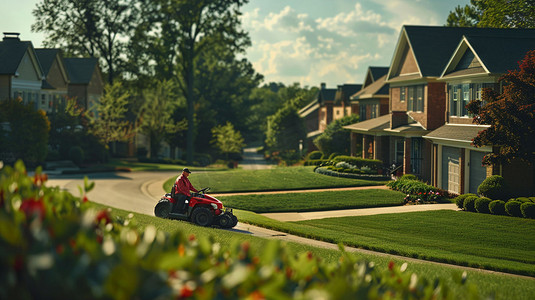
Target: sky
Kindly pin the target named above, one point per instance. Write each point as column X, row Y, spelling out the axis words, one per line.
column 305, row 41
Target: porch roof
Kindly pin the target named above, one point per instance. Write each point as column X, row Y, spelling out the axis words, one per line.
column 455, row 133
column 373, row 125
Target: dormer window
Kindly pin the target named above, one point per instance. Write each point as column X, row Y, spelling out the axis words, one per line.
column 415, row 98
column 461, row 94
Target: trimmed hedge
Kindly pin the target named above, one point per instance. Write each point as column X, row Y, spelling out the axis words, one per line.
column 470, row 203
column 512, row 208
column 459, row 200
column 482, row 205
column 314, row 155
column 359, row 162
column 528, row 210
column 331, row 172
column 494, row 187
column 417, row 191
column 316, row 162
column 497, row 207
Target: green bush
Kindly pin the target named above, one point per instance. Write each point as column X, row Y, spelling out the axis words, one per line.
column 314, row 155
column 359, row 162
column 58, row 246
column 497, row 207
column 459, row 200
column 417, row 191
column 409, row 176
column 528, row 210
column 513, row 208
column 470, row 203
column 316, row 162
column 76, row 154
column 523, row 199
column 482, row 205
column 494, row 188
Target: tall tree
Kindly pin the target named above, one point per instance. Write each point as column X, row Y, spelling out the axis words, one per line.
column 156, row 114
column 97, row 28
column 511, row 115
column 109, row 123
column 494, row 13
column 182, row 30
column 285, row 128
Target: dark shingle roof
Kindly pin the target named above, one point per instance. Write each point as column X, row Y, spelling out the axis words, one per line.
column 460, row 133
column 80, row 70
column 434, row 45
column 501, row 54
column 378, row 124
column 378, row 88
column 326, row 95
column 378, row 72
column 11, row 53
column 46, row 58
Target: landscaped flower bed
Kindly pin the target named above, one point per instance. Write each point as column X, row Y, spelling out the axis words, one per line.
column 418, row 192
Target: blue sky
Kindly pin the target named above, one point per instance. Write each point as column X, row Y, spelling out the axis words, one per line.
column 305, row 41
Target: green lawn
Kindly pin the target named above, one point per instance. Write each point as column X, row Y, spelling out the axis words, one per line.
column 314, row 201
column 139, row 166
column 463, row 238
column 283, row 178
column 501, row 286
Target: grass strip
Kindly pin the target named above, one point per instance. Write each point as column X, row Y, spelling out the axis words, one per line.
column 314, row 201
column 466, row 239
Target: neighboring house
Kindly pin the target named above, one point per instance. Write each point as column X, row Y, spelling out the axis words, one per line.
column 55, row 83
column 417, row 98
column 342, row 103
column 21, row 74
column 372, row 100
column 477, row 63
column 86, row 84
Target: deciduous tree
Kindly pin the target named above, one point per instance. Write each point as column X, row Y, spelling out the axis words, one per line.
column 494, row 13
column 227, row 139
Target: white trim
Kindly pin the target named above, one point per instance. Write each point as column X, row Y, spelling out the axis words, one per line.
column 466, row 171
column 439, row 166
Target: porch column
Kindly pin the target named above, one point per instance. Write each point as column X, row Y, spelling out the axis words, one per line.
column 364, row 143
column 407, row 156
column 378, row 147
column 353, row 143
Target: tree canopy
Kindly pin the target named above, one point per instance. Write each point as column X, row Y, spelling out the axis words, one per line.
column 511, row 115
column 494, row 13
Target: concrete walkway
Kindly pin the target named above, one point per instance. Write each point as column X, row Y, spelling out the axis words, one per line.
column 253, row 160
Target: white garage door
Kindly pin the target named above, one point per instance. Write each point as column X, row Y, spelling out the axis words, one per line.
column 478, row 173
column 451, row 169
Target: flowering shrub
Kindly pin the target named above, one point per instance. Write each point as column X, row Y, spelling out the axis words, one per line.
column 417, row 191
column 56, row 246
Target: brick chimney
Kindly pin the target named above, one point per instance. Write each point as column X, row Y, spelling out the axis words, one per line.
column 323, row 85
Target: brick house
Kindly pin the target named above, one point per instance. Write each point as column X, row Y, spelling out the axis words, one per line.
column 21, row 74
column 86, row 84
column 55, row 82
column 342, row 100
column 477, row 63
column 317, row 114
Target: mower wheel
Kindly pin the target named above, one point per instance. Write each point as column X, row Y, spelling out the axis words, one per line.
column 202, row 216
column 224, row 221
column 234, row 221
column 163, row 209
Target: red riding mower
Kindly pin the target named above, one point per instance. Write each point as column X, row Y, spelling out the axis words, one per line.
column 201, row 209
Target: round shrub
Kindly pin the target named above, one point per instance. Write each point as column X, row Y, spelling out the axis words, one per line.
column 459, row 200
column 470, row 203
column 333, row 155
column 497, row 207
column 315, row 155
column 494, row 188
column 513, row 208
column 528, row 210
column 523, row 199
column 482, row 205
column 409, row 176
column 76, row 154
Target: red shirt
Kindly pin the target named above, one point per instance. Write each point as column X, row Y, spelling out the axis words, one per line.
column 183, row 186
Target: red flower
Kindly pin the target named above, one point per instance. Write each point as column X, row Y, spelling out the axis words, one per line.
column 186, row 292
column 103, row 215
column 33, row 207
column 390, row 265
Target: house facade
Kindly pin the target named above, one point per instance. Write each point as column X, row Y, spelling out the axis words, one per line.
column 475, row 64
column 86, row 83
column 55, row 82
column 342, row 100
column 21, row 74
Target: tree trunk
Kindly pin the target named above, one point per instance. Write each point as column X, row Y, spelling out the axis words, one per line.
column 191, row 109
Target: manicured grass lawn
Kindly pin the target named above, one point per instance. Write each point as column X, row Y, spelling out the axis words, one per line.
column 283, row 178
column 463, row 238
column 139, row 166
column 502, row 286
column 314, row 201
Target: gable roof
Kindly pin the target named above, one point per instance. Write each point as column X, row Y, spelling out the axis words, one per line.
column 80, row 70
column 12, row 50
column 46, row 58
column 378, row 88
column 495, row 54
column 374, row 73
column 326, row 95
column 432, row 46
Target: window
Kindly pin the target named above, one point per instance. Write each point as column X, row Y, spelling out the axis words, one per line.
column 410, row 102
column 419, row 98
column 466, row 99
column 402, row 95
column 416, row 155
column 415, row 98
column 374, row 111
column 362, row 116
column 454, row 92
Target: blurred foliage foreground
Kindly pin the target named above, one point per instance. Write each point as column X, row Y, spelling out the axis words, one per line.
column 54, row 245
